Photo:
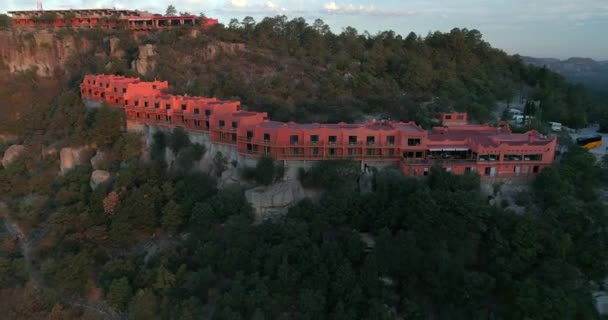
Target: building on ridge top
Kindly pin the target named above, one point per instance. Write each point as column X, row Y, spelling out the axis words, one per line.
column 461, row 148
column 105, row 18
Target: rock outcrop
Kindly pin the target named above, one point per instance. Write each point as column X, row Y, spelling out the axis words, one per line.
column 11, row 154
column 271, row 201
column 115, row 50
column 99, row 177
column 72, row 157
column 99, row 160
column 41, row 49
column 146, row 61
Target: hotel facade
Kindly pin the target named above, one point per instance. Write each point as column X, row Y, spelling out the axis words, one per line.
column 456, row 146
column 105, row 19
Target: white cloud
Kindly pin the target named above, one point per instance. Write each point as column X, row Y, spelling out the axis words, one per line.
column 353, row 9
column 239, row 3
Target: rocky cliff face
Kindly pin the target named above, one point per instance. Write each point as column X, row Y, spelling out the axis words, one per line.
column 42, row 49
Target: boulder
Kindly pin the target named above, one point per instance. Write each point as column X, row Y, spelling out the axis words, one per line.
column 276, row 199
column 98, row 177
column 230, row 176
column 99, row 160
column 11, row 154
column 72, row 157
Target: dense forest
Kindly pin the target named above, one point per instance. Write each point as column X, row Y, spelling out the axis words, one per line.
column 160, row 243
column 417, row 249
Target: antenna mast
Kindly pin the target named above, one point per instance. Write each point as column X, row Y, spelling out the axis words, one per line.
column 39, row 5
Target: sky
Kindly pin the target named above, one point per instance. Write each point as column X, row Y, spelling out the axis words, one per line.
column 539, row 28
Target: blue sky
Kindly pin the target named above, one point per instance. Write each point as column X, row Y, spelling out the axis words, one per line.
column 541, row 28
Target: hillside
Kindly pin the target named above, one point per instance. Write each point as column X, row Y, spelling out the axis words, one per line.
column 97, row 222
column 303, row 72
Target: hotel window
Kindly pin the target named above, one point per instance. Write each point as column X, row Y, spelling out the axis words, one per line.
column 147, row 116
column 222, row 123
column 168, row 106
column 137, row 115
column 295, row 151
column 249, row 135
column 126, row 102
column 266, row 137
column 390, row 152
column 314, row 139
column 207, row 112
column 535, row 169
column 115, row 89
column 154, row 86
column 196, row 111
column 90, row 91
column 169, row 119
column 448, row 117
column 370, row 152
column 351, row 151
column 234, row 125
column 314, row 152
column 293, row 139
column 136, row 103
column 124, row 90
column 158, row 117
column 207, row 124
column 197, row 123
column 107, row 85
column 146, row 104
column 267, row 150
column 418, row 155
column 460, row 117
column 352, row 139
column 413, row 142
column 390, row 140
column 468, row 170
column 156, row 105
column 533, row 157
column 332, row 139
column 332, row 151
column 184, row 107
column 371, row 140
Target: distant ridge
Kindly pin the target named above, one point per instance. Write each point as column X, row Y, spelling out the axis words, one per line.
column 591, row 73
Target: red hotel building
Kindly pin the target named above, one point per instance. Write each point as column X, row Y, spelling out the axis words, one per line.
column 456, row 146
column 106, row 18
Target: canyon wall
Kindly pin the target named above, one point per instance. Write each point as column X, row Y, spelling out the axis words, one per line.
column 42, row 49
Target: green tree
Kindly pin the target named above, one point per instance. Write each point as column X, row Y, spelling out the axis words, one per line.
column 109, row 124
column 120, row 293
column 173, row 217
column 5, row 21
column 264, row 171
column 144, row 306
column 178, row 140
column 171, row 11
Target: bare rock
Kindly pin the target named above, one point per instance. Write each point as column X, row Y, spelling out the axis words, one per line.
column 12, row 153
column 276, row 199
column 99, row 177
column 72, row 157
column 99, row 160
column 146, row 61
column 115, row 50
